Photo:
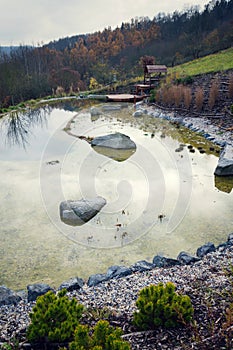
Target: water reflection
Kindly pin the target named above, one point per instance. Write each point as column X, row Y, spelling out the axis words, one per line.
column 116, row 154
column 17, row 125
column 224, row 184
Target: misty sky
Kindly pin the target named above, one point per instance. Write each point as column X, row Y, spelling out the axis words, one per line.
column 32, row 22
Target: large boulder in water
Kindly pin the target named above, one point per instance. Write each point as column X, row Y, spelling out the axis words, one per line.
column 76, row 213
column 116, row 141
column 225, row 163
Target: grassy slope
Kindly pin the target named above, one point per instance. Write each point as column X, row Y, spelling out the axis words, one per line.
column 220, row 61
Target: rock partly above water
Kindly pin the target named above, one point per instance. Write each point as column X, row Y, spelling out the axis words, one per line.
column 116, row 141
column 77, row 213
column 225, row 163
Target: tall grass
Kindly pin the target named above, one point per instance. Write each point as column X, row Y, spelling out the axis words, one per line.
column 230, row 89
column 199, row 98
column 187, row 97
column 213, row 94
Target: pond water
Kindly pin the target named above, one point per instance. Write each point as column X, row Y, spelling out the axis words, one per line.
column 162, row 199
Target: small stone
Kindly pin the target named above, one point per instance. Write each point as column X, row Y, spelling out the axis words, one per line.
column 8, row 296
column 35, row 290
column 142, row 265
column 118, row 271
column 186, row 259
column 96, row 279
column 205, row 249
column 161, row 261
column 72, row 284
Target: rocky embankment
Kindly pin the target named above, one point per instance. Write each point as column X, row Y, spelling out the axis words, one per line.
column 206, row 278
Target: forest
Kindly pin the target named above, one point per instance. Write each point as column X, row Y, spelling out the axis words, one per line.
column 77, row 63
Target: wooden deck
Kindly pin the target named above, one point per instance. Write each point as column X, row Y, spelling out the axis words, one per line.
column 124, row 98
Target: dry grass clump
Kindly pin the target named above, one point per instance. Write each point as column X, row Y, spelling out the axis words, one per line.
column 213, row 94
column 230, row 89
column 199, row 98
column 187, row 97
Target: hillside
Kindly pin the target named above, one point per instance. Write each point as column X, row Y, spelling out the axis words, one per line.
column 221, row 61
column 81, row 62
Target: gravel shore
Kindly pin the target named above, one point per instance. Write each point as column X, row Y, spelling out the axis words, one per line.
column 208, row 282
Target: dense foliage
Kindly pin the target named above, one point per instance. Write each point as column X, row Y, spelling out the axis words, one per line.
column 72, row 63
column 104, row 337
column 160, row 305
column 54, row 318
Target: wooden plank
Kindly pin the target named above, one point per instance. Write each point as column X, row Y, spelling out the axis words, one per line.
column 124, row 98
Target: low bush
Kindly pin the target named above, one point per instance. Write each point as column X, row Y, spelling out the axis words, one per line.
column 104, row 337
column 54, row 318
column 160, row 305
column 184, row 80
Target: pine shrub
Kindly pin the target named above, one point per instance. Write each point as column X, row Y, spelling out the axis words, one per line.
column 160, row 305
column 54, row 318
column 104, row 337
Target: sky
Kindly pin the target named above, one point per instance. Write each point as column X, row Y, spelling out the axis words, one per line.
column 33, row 22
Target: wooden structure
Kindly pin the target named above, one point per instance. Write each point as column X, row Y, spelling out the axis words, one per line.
column 143, row 89
column 125, row 98
column 153, row 73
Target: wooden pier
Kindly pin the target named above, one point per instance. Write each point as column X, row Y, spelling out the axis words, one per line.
column 125, row 98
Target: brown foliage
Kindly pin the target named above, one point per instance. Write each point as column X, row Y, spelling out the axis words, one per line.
column 213, row 94
column 178, row 94
column 59, row 91
column 187, row 97
column 230, row 89
column 199, row 98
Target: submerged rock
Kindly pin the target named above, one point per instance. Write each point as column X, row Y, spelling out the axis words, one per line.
column 116, row 141
column 225, row 163
column 95, row 111
column 77, row 213
column 8, row 296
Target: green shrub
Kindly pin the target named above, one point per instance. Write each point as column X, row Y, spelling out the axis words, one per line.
column 184, row 81
column 104, row 337
column 54, row 318
column 161, row 306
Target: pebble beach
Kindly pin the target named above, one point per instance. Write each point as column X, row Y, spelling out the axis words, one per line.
column 205, row 281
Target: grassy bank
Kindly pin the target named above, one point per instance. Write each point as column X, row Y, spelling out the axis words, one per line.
column 218, row 62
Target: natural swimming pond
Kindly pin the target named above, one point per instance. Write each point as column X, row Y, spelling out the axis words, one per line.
column 161, row 199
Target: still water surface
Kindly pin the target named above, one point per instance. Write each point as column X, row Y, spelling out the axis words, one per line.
column 43, row 162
